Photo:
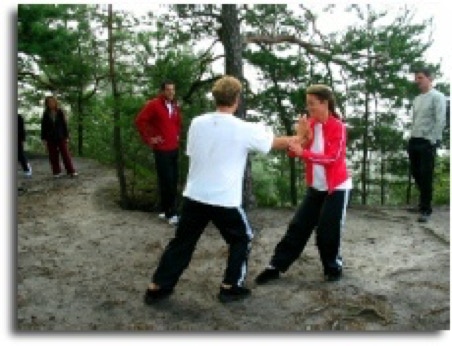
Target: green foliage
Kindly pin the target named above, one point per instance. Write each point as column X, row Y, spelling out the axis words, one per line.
column 441, row 181
column 62, row 49
column 271, row 180
column 264, row 183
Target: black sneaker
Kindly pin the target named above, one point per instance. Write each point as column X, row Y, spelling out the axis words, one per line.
column 333, row 276
column 424, row 217
column 234, row 293
column 268, row 274
column 152, row 296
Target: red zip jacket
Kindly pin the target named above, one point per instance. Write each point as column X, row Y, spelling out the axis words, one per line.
column 333, row 157
column 154, row 120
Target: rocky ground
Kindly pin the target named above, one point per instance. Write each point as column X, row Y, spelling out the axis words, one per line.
column 83, row 265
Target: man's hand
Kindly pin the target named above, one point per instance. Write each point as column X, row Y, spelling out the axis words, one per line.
column 156, row 140
column 295, row 146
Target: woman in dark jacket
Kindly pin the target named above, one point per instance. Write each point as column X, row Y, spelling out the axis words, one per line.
column 55, row 136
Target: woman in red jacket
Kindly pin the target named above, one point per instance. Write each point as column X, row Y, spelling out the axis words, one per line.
column 322, row 147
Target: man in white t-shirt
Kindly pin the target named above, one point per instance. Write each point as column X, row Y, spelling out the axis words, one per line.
column 218, row 145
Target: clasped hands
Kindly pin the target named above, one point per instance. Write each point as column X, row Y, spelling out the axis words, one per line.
column 302, row 137
column 156, row 140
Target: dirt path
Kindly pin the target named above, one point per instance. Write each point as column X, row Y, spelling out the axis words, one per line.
column 83, row 265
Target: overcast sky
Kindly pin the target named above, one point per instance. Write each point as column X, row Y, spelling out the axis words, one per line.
column 441, row 50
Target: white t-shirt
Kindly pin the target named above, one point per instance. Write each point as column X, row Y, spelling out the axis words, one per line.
column 319, row 176
column 218, row 145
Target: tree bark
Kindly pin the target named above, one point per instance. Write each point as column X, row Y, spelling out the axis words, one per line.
column 231, row 38
column 364, row 160
column 117, row 143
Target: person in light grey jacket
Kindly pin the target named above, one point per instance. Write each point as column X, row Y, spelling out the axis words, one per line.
column 429, row 115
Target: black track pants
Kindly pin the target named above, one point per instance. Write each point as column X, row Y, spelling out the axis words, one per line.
column 320, row 210
column 234, row 228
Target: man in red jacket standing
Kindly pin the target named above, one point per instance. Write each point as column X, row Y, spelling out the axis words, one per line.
column 159, row 125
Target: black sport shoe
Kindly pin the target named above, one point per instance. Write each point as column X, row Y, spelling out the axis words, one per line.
column 333, row 275
column 268, row 274
column 152, row 296
column 424, row 217
column 234, row 293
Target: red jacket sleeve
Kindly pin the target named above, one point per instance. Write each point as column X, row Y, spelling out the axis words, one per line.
column 143, row 122
column 334, row 148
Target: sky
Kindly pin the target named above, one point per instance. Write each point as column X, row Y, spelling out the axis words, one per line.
column 441, row 50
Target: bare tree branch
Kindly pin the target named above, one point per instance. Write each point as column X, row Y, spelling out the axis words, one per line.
column 321, row 52
column 196, row 85
column 207, row 51
column 43, row 83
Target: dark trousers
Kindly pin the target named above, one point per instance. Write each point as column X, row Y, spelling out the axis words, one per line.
column 234, row 228
column 55, row 149
column 166, row 163
column 421, row 154
column 327, row 213
column 22, row 158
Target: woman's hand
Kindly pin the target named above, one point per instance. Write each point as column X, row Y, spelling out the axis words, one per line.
column 303, row 130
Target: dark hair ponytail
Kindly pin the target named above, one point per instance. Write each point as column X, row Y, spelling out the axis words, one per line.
column 324, row 93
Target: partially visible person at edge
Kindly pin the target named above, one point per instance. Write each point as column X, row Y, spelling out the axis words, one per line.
column 159, row 125
column 429, row 115
column 55, row 137
column 218, row 145
column 324, row 206
column 21, row 137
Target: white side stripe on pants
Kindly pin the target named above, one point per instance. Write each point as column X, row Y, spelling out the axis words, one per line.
column 344, row 213
column 249, row 232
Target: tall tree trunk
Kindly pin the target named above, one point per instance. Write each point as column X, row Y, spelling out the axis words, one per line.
column 232, row 41
column 117, row 144
column 288, row 126
column 365, row 151
column 378, row 124
column 80, row 123
column 79, row 110
column 408, row 188
column 382, row 177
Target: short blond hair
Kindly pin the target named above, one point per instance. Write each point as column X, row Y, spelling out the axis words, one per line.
column 226, row 90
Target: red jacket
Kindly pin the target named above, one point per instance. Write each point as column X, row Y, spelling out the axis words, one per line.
column 333, row 157
column 154, row 120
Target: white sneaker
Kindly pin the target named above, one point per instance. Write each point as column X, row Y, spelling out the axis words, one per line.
column 162, row 216
column 173, row 220
column 58, row 175
column 29, row 172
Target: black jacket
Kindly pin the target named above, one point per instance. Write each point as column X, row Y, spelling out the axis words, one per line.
column 54, row 131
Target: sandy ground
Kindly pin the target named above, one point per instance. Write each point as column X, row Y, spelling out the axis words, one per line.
column 83, row 265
